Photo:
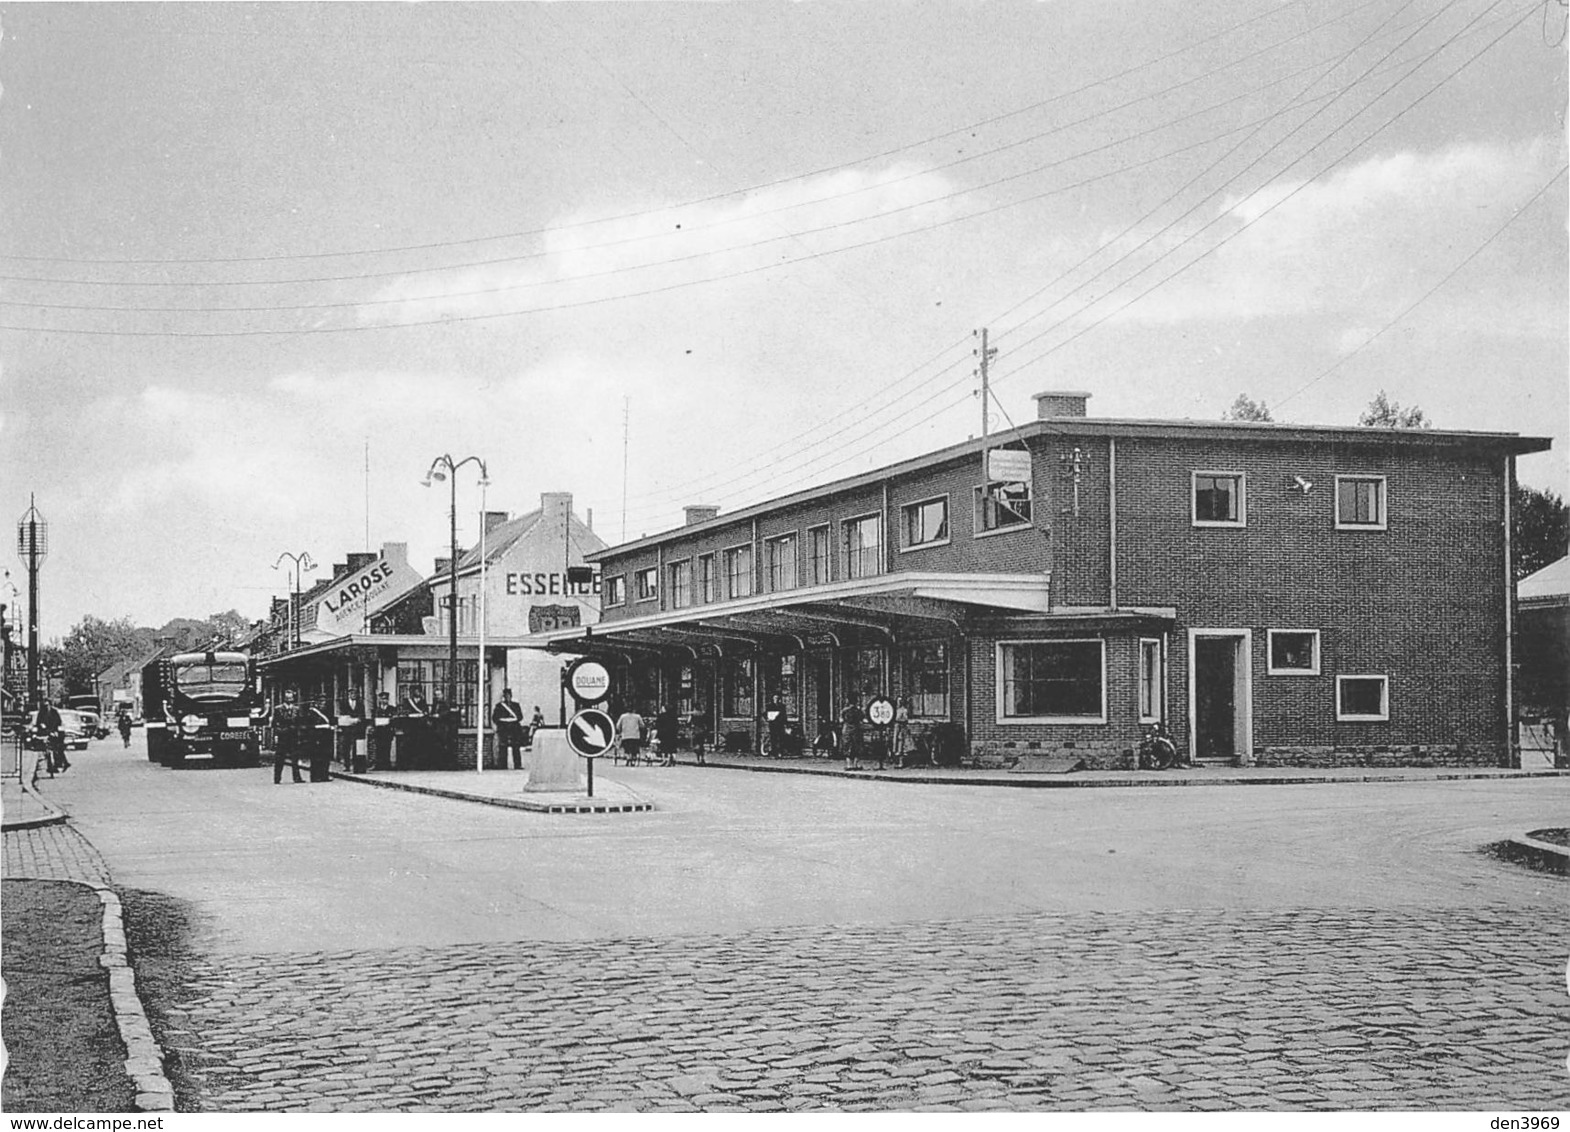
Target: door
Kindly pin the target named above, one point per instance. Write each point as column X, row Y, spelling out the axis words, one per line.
column 1215, row 708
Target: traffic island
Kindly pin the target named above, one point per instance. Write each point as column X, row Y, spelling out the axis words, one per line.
column 507, row 789
column 1547, row 850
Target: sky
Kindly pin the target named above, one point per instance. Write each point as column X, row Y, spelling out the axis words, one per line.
column 260, row 265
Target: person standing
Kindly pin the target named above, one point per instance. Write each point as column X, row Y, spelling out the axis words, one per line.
column 536, row 721
column 901, row 738
column 351, row 729
column 381, row 737
column 124, row 724
column 850, row 734
column 666, row 728
column 629, row 728
column 508, row 719
column 286, row 737
column 321, row 729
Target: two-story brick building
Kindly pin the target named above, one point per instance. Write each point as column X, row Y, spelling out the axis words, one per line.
column 1275, row 594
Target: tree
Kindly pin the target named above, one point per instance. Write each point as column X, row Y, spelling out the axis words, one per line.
column 1245, row 408
column 94, row 644
column 1539, row 529
column 1382, row 412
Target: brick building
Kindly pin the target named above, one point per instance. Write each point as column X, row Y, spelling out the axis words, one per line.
column 1274, row 594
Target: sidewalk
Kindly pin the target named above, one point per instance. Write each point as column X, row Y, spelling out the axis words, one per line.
column 23, row 808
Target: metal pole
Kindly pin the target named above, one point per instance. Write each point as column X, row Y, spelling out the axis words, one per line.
column 484, row 681
column 452, row 609
column 32, row 605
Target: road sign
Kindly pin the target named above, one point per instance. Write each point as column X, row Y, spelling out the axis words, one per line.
column 591, row 733
column 880, row 711
column 588, row 680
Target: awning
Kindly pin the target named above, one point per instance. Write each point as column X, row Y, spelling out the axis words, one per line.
column 361, row 646
column 886, row 607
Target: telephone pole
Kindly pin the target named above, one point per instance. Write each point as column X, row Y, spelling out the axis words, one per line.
column 986, row 394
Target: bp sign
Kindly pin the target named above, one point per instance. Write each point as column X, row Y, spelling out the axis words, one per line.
column 588, row 680
column 591, row 733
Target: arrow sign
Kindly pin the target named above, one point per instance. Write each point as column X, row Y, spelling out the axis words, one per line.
column 591, row 733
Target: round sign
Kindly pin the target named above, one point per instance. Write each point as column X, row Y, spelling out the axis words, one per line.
column 588, row 680
column 880, row 711
column 591, row 733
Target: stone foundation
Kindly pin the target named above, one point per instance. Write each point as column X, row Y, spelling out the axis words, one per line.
column 1013, row 755
column 1419, row 755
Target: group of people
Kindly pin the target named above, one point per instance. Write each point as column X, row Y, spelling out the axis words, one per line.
column 633, row 732
column 853, row 740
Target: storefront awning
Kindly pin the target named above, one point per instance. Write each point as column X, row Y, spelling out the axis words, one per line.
column 369, row 644
column 887, row 607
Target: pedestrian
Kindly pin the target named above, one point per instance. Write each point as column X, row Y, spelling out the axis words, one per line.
column 351, row 730
column 285, row 719
column 774, row 715
column 320, row 738
column 850, row 725
column 666, row 731
column 629, row 728
column 901, row 738
column 508, row 718
column 414, row 731
column 381, row 736
column 537, row 720
column 124, row 724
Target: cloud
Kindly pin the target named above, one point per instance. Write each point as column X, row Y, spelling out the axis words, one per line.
column 582, row 260
column 1365, row 242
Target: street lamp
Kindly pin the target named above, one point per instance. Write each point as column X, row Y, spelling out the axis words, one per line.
column 302, row 561
column 444, row 467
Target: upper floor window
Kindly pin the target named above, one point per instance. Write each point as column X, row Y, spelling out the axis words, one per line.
column 782, row 562
column 926, row 523
column 822, row 564
column 738, row 572
column 1219, row 500
column 616, row 589
column 1002, row 507
column 706, row 590
column 1360, row 502
column 681, row 584
column 864, row 547
column 648, row 582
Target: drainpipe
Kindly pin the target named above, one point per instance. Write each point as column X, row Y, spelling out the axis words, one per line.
column 883, row 543
column 1511, row 753
column 1112, row 523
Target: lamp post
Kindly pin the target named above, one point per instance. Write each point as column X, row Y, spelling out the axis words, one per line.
column 302, row 561
column 32, row 544
column 444, row 467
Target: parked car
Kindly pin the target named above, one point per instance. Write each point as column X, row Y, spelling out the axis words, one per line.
column 72, row 726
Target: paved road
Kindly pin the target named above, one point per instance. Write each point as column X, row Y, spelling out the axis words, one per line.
column 781, row 943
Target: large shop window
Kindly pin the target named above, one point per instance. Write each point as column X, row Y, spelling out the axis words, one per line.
column 869, row 678
column 926, row 523
column 681, row 584
column 782, row 563
column 864, row 547
column 706, row 591
column 1218, row 500
column 738, row 702
column 1002, row 507
column 927, row 678
column 738, row 572
column 1053, row 681
column 429, row 678
column 822, row 556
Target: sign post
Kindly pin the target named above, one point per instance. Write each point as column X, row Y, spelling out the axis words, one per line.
column 590, row 734
column 880, row 713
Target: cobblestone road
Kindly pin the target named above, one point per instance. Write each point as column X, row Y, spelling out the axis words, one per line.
column 1319, row 1009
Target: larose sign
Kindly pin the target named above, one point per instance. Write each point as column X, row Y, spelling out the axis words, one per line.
column 588, row 680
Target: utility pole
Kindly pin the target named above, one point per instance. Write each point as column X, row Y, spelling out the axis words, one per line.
column 32, row 544
column 986, row 394
column 625, row 403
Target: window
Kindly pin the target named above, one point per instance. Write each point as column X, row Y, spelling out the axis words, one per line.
column 1360, row 503
column 681, row 584
column 863, row 547
column 648, row 582
column 1362, row 697
column 822, row 557
column 1051, row 681
column 706, row 578
column 926, row 523
column 1002, row 507
column 1293, row 652
column 616, row 590
column 738, row 572
column 927, row 680
column 738, row 701
column 1218, row 499
column 867, row 678
column 782, row 563
column 429, row 679
column 1150, row 680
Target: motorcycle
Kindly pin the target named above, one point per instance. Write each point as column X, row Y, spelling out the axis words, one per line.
column 1157, row 751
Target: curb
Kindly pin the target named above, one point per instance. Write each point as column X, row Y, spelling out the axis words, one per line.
column 1062, row 782
column 502, row 803
column 53, row 814
column 1545, row 855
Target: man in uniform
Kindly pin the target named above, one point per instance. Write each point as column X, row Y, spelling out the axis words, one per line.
column 286, row 737
column 508, row 718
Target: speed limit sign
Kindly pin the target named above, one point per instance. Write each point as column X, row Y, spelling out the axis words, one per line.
column 880, row 711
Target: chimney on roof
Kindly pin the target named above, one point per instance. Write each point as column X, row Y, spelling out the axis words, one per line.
column 360, row 559
column 1060, row 403
column 699, row 513
column 494, row 519
column 443, row 565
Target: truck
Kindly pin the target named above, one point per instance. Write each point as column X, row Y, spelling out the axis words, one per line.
column 202, row 707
